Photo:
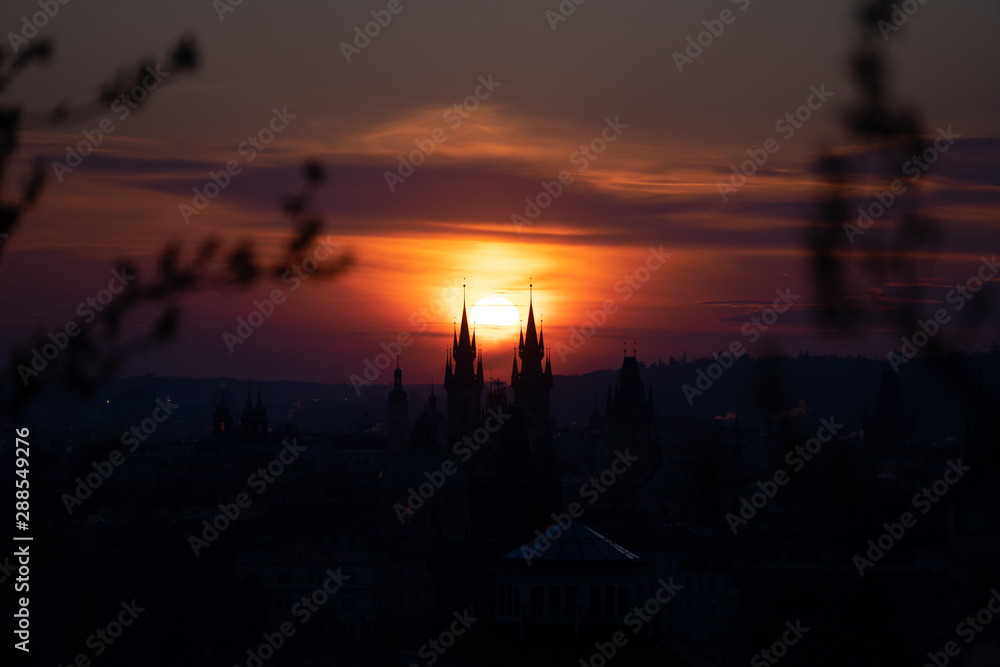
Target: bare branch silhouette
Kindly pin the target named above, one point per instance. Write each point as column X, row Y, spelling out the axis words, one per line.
column 100, row 350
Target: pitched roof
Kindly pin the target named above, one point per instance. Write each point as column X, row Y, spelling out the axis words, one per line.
column 576, row 543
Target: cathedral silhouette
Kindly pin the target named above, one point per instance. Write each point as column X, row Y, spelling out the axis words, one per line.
column 508, row 484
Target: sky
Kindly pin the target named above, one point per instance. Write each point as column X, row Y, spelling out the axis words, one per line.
column 663, row 132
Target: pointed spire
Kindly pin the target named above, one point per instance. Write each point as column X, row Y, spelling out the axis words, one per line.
column 513, row 372
column 464, row 344
column 397, row 394
column 463, row 333
column 531, row 337
column 520, row 343
column 541, row 335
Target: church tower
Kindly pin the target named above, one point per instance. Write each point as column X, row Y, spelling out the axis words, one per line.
column 397, row 413
column 253, row 421
column 463, row 383
column 889, row 433
column 515, row 487
column 533, row 382
column 630, row 417
column 222, row 420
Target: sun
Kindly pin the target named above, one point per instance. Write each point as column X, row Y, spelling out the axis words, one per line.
column 494, row 311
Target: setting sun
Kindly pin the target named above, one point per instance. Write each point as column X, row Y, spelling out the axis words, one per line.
column 494, row 310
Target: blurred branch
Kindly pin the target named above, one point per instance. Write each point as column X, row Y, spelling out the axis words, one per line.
column 888, row 134
column 183, row 59
column 99, row 351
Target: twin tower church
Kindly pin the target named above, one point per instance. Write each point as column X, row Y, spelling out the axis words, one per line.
column 486, row 468
column 486, row 465
column 464, row 384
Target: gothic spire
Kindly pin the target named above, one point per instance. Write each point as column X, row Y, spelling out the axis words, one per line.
column 463, row 345
column 531, row 336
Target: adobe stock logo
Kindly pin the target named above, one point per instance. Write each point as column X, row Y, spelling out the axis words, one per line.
column 454, row 115
column 958, row 297
column 433, row 649
column 796, row 458
column 362, row 38
column 303, row 610
column 30, row 27
column 786, row 125
column 103, row 638
column 419, row 320
column 723, row 361
column 591, row 490
column 900, row 15
column 634, row 620
column 915, row 167
column 247, row 149
column 222, row 7
column 627, row 286
column 85, row 486
column 258, row 481
column 566, row 9
column 713, row 28
column 87, row 309
column 463, row 450
column 968, row 628
column 581, row 159
column 924, row 500
column 122, row 107
column 264, row 309
column 779, row 648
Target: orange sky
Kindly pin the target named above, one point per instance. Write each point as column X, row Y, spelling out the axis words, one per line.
column 654, row 185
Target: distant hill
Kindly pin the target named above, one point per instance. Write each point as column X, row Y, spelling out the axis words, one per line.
column 821, row 386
